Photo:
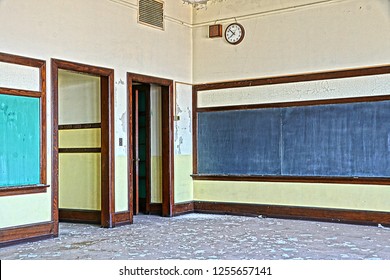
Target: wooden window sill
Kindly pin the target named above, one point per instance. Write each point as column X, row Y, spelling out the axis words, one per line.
column 19, row 190
column 294, row 179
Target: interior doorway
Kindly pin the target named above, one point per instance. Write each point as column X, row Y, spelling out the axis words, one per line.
column 150, row 168
column 83, row 144
column 141, row 127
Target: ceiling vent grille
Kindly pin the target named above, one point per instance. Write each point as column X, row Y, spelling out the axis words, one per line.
column 151, row 12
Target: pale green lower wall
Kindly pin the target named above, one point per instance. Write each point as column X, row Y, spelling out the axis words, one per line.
column 183, row 181
column 121, row 187
column 79, row 181
column 156, row 179
column 22, row 210
column 354, row 197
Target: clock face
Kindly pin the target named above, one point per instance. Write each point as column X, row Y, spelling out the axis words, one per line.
column 234, row 33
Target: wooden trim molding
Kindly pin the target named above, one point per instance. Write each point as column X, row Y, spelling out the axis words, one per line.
column 140, row 78
column 194, row 130
column 155, row 208
column 79, row 150
column 21, row 60
column 19, row 190
column 123, row 218
column 79, row 126
column 183, row 208
column 294, row 179
column 20, row 92
column 21, row 234
column 80, row 216
column 295, row 212
column 167, row 151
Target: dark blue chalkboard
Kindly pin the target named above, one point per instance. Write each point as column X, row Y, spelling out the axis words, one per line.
column 239, row 142
column 334, row 140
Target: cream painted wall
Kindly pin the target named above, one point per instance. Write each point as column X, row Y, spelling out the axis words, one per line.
column 97, row 32
column 335, row 35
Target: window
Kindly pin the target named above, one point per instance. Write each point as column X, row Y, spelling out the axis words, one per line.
column 22, row 125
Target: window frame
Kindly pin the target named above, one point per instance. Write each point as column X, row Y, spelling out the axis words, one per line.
column 41, row 95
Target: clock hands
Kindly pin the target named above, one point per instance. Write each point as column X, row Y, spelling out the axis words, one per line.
column 233, row 33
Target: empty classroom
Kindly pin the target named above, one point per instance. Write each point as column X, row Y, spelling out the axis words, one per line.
column 114, row 110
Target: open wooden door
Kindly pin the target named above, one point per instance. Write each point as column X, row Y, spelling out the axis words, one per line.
column 165, row 163
column 141, row 148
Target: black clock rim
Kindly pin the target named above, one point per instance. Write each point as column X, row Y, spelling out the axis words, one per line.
column 242, row 36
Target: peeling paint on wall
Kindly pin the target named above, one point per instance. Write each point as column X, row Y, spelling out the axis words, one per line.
column 120, row 82
column 183, row 136
column 190, row 118
column 178, row 146
column 201, row 4
column 123, row 120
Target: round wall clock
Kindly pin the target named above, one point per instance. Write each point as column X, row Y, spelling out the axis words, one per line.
column 234, row 33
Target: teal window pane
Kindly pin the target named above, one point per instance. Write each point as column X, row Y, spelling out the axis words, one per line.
column 19, row 140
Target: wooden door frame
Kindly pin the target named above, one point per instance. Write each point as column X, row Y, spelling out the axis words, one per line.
column 167, row 138
column 107, row 141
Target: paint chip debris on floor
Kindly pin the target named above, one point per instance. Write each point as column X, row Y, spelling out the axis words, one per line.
column 204, row 236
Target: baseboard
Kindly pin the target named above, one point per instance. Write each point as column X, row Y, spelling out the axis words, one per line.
column 155, row 208
column 21, row 234
column 80, row 216
column 293, row 212
column 122, row 218
column 183, row 208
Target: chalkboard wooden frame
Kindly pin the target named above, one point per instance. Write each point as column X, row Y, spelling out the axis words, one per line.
column 41, row 95
column 370, row 71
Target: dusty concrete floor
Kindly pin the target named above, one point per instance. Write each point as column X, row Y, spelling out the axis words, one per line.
column 200, row 236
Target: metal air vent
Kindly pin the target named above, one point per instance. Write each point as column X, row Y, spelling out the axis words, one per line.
column 151, row 12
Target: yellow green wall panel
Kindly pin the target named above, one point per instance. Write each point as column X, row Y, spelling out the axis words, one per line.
column 79, row 138
column 25, row 209
column 121, row 187
column 183, row 181
column 156, row 179
column 337, row 196
column 79, row 181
